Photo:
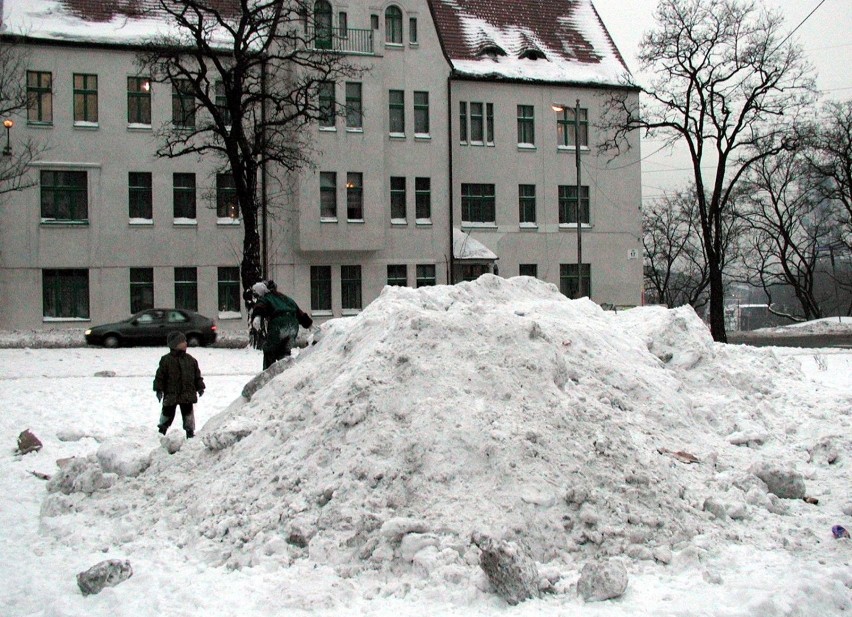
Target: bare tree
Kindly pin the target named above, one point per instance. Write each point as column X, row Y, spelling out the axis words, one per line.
column 245, row 76
column 16, row 156
column 675, row 269
column 788, row 222
column 829, row 158
column 724, row 80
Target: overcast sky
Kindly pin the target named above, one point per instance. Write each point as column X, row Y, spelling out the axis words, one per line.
column 825, row 37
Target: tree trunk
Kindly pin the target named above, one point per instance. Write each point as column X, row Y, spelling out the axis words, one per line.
column 250, row 268
column 717, row 305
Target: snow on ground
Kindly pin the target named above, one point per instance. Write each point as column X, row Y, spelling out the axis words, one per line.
column 364, row 467
column 827, row 325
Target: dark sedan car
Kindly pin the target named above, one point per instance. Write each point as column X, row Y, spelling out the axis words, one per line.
column 151, row 327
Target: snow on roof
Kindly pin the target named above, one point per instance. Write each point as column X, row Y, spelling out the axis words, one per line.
column 123, row 22
column 465, row 247
column 569, row 34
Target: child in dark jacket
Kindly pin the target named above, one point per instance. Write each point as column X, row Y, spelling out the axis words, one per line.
column 177, row 380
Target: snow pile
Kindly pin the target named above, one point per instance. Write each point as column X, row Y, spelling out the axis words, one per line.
column 495, row 407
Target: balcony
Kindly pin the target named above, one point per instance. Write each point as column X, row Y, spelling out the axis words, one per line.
column 342, row 40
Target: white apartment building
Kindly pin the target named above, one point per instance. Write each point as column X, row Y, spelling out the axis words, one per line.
column 456, row 138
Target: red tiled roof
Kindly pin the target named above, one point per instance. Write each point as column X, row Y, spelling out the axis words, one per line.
column 556, row 24
column 107, row 10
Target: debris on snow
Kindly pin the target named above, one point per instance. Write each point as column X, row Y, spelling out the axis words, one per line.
column 28, row 442
column 510, row 570
column 108, row 573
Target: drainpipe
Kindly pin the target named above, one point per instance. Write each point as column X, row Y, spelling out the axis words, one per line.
column 451, row 260
column 263, row 182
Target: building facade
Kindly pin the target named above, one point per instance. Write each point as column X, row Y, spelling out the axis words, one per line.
column 427, row 144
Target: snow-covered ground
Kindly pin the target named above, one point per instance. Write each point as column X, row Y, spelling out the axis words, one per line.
column 351, row 483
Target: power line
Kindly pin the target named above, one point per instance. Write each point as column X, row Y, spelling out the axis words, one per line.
column 799, row 26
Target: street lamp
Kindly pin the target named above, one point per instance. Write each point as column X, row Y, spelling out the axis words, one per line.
column 7, row 151
column 560, row 109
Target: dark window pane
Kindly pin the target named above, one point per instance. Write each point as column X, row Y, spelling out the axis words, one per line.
column 141, row 289
column 350, row 287
column 184, row 195
column 398, row 275
column 140, row 195
column 229, row 289
column 186, row 288
column 65, row 293
column 321, row 288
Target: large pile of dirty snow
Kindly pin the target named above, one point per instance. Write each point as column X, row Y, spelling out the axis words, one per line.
column 496, row 406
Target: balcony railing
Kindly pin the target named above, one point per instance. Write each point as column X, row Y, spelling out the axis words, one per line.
column 343, row 40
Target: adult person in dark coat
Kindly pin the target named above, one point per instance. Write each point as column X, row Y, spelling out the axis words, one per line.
column 282, row 317
column 177, row 380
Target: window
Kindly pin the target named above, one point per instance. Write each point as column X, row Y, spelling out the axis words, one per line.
column 354, row 196
column 393, row 26
column 350, row 288
column 141, row 289
column 425, row 275
column 568, row 205
column 221, row 102
column 526, row 204
column 354, row 106
column 229, row 289
column 374, row 22
column 327, row 109
column 65, row 293
column 322, row 23
column 422, row 199
column 39, row 97
column 421, row 113
column 140, row 198
column 343, row 24
column 565, row 127
column 569, row 280
column 85, row 98
column 396, row 110
column 476, row 125
column 397, row 275
column 489, row 123
column 397, row 199
column 412, row 30
column 186, row 288
column 64, row 195
column 183, row 104
column 321, row 288
column 478, row 203
column 528, row 270
column 227, row 205
column 139, row 100
column 183, row 192
column 526, row 125
column 328, row 196
column 463, row 122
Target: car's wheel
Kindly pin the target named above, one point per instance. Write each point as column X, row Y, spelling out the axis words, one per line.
column 111, row 341
column 193, row 341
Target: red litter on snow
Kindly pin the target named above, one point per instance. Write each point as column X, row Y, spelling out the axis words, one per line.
column 839, row 532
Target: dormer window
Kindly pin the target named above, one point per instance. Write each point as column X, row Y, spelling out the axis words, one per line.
column 532, row 53
column 492, row 51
